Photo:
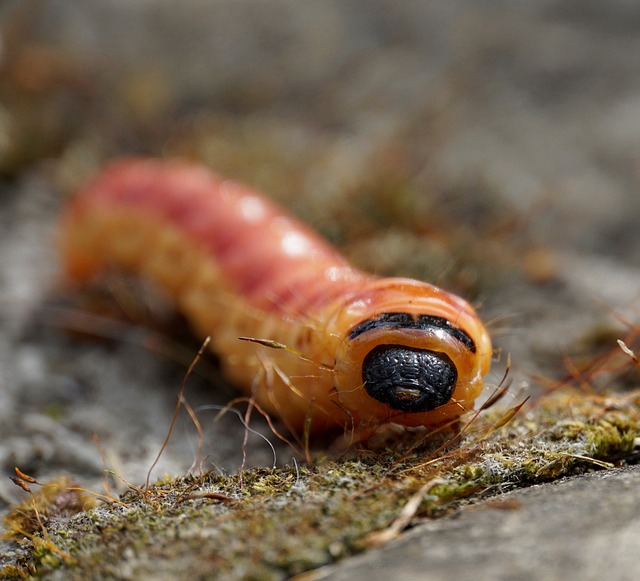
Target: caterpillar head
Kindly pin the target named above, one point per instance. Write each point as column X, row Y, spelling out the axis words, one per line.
column 413, row 355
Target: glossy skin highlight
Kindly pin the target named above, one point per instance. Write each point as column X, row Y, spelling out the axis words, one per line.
column 238, row 266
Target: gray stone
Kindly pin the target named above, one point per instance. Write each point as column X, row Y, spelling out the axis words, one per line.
column 586, row 528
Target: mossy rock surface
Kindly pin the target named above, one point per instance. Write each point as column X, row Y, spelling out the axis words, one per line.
column 275, row 523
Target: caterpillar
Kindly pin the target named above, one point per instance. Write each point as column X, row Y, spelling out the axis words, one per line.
column 357, row 351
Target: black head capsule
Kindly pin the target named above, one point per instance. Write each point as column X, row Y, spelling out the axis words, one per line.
column 408, row 379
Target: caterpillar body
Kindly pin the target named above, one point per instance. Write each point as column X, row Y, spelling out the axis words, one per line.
column 362, row 351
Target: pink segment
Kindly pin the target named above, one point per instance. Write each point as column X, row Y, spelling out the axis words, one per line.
column 273, row 261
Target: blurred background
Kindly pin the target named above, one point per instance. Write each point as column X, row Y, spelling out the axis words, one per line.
column 491, row 147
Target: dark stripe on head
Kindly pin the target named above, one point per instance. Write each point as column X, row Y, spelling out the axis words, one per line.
column 406, row 321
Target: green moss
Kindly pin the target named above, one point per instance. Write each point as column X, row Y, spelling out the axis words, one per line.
column 274, row 523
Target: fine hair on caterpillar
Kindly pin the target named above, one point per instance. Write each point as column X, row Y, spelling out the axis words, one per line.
column 308, row 337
